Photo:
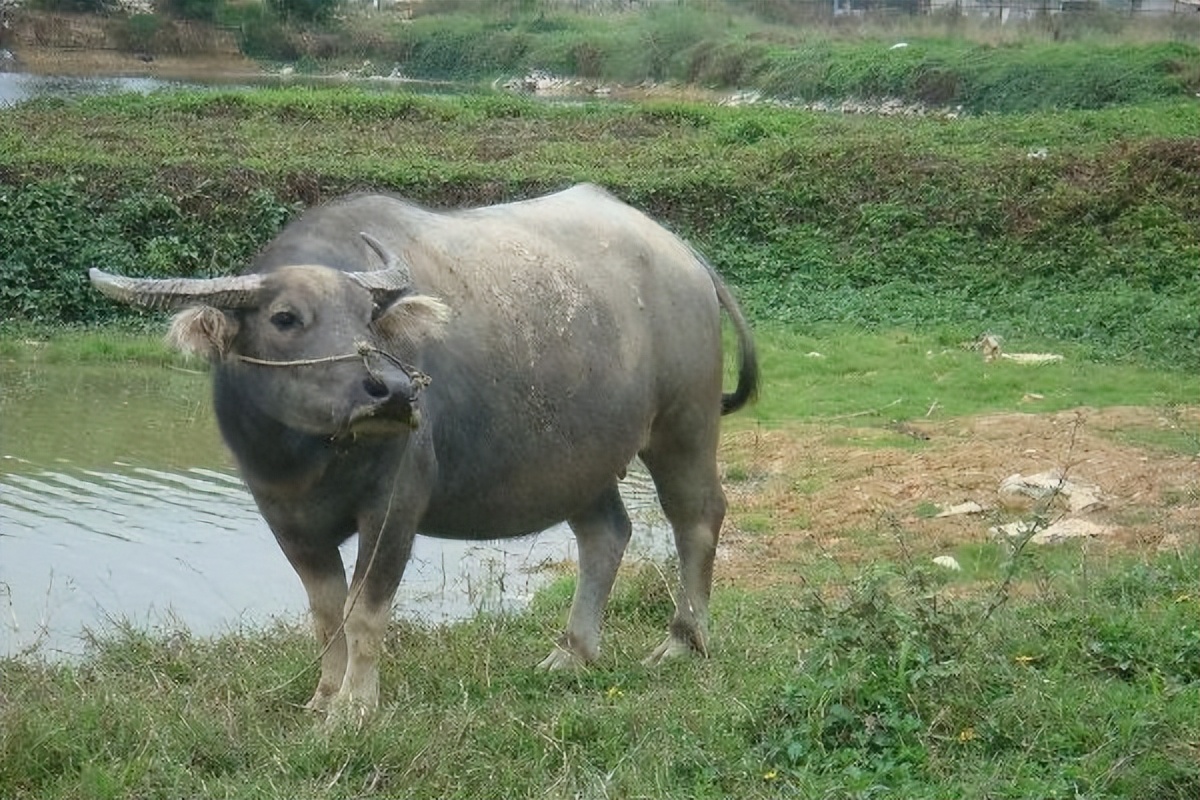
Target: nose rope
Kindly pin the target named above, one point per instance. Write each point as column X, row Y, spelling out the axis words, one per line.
column 363, row 350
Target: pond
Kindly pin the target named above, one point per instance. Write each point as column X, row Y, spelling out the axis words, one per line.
column 18, row 87
column 120, row 505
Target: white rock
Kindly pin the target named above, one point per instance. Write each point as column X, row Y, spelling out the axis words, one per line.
column 948, row 562
column 1032, row 358
column 1080, row 497
column 969, row 507
column 1063, row 529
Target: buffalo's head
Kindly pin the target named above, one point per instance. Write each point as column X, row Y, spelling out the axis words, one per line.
column 317, row 349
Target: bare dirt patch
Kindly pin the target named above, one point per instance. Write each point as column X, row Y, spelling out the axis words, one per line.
column 86, row 45
column 828, row 490
column 84, row 62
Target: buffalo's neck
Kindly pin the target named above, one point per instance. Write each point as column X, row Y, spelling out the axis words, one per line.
column 283, row 464
column 267, row 450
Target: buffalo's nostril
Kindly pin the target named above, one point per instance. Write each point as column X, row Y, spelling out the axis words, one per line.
column 376, row 388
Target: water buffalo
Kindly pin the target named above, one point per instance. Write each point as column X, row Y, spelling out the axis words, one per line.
column 387, row 370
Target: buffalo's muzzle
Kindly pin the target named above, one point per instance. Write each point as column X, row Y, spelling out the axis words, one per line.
column 391, row 406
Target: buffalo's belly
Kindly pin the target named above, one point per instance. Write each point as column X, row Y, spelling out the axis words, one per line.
column 497, row 501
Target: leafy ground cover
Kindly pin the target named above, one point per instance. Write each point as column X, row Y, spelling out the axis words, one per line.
column 1078, row 227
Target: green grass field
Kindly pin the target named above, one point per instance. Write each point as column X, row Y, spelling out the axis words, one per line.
column 891, row 684
column 860, row 672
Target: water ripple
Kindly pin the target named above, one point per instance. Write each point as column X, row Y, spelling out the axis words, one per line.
column 156, row 547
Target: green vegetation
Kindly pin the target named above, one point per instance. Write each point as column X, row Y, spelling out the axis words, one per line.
column 1085, row 686
column 1078, row 227
column 795, row 50
column 830, row 373
column 900, row 375
column 719, row 48
column 792, row 50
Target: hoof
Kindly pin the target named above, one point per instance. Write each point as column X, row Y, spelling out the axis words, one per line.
column 347, row 713
column 561, row 658
column 671, row 649
column 320, row 702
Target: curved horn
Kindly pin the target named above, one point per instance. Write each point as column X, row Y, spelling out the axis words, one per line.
column 388, row 283
column 167, row 293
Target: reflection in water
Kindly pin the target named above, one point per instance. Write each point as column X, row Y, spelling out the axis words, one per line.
column 128, row 530
column 17, row 87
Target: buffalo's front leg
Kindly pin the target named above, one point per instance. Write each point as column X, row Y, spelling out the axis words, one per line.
column 324, row 578
column 384, row 544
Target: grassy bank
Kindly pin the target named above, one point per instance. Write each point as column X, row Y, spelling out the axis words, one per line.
column 1081, row 62
column 832, row 373
column 792, row 50
column 1078, row 227
column 1083, row 684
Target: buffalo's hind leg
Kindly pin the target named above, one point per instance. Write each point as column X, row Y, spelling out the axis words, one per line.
column 601, row 532
column 684, row 469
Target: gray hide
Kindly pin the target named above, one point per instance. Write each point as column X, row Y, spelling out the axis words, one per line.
column 563, row 336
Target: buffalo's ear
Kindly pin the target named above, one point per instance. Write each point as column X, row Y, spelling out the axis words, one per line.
column 202, row 331
column 412, row 318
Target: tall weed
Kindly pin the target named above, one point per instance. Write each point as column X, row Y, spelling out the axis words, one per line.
column 904, row 686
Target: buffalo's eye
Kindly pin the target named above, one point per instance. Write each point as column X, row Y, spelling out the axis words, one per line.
column 285, row 320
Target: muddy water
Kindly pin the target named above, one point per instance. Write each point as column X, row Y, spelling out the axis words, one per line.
column 18, row 87
column 118, row 504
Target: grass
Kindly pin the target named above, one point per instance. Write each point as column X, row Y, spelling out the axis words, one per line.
column 847, row 372
column 112, row 344
column 893, row 684
column 1175, row 439
column 837, row 372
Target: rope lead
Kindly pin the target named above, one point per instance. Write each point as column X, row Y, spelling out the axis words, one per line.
column 362, row 349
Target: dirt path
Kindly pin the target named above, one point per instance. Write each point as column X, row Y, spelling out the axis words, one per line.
column 79, row 62
column 815, row 491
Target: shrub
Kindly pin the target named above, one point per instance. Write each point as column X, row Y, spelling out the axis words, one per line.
column 72, row 6
column 305, row 11
column 52, row 232
column 136, row 33
column 200, row 10
column 264, row 36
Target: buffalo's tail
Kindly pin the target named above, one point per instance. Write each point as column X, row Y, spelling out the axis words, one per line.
column 748, row 375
